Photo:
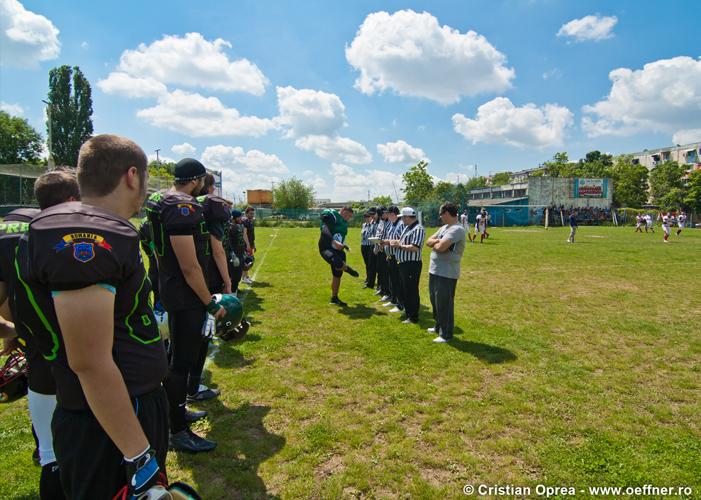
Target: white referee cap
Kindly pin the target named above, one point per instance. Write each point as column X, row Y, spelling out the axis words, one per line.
column 408, row 212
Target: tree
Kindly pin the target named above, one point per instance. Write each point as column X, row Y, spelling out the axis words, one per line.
column 69, row 117
column 557, row 166
column 501, row 178
column 293, row 193
column 19, row 142
column 693, row 195
column 444, row 191
column 667, row 185
column 476, row 183
column 382, row 201
column 629, row 182
column 418, row 184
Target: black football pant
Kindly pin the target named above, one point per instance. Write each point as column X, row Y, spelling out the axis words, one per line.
column 370, row 264
column 410, row 273
column 236, row 273
column 382, row 272
column 90, row 464
column 395, row 283
column 185, row 348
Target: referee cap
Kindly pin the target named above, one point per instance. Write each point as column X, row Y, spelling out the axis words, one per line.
column 189, row 169
column 408, row 212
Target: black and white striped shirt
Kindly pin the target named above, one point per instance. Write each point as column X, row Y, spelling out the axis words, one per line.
column 394, row 232
column 411, row 235
column 367, row 230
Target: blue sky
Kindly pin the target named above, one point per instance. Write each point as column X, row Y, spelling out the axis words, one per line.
column 326, row 91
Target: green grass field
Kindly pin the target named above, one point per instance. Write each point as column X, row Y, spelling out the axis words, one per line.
column 573, row 365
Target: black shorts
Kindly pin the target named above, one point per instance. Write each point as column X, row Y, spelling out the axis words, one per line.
column 91, row 465
column 336, row 259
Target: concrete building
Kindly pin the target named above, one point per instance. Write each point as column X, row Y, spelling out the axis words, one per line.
column 689, row 155
column 547, row 191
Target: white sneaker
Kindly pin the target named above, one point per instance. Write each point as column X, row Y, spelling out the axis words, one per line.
column 407, row 322
column 394, row 310
column 387, row 304
column 433, row 329
column 385, row 298
column 440, row 340
column 247, row 280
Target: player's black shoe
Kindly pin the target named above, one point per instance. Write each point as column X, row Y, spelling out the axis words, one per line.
column 203, row 395
column 352, row 271
column 194, row 416
column 338, row 302
column 188, row 441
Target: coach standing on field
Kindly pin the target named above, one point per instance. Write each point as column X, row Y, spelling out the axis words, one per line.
column 407, row 250
column 448, row 245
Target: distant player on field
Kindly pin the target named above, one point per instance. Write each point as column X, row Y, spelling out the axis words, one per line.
column 573, row 226
column 681, row 222
column 638, row 223
column 649, row 223
column 666, row 226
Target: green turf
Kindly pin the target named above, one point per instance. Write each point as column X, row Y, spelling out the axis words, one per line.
column 573, row 365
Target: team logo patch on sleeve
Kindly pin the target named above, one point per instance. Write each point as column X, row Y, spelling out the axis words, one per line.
column 83, row 245
column 185, row 209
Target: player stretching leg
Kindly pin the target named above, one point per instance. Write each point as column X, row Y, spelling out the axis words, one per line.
column 681, row 222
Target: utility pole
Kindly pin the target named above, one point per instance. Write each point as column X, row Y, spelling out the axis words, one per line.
column 50, row 138
column 157, row 157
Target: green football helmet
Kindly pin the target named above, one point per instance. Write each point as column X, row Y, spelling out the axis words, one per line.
column 234, row 312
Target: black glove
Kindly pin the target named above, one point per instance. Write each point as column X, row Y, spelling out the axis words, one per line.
column 142, row 472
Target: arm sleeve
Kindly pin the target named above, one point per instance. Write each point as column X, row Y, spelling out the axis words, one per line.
column 84, row 263
column 182, row 218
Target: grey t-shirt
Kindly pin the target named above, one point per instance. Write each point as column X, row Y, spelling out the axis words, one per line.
column 447, row 264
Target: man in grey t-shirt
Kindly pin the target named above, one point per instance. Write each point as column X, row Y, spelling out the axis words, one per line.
column 448, row 245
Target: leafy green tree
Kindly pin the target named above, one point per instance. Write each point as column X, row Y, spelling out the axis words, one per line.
column 69, row 117
column 444, row 191
column 595, row 164
column 382, row 200
column 630, row 183
column 476, row 183
column 667, row 185
column 693, row 195
column 19, row 142
column 418, row 184
column 501, row 178
column 293, row 193
column 558, row 166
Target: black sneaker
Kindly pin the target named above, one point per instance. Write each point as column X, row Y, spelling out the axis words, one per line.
column 194, row 416
column 188, row 441
column 352, row 272
column 338, row 302
column 203, row 394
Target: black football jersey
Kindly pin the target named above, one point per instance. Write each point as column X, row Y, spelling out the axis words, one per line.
column 216, row 216
column 12, row 228
column 73, row 246
column 177, row 214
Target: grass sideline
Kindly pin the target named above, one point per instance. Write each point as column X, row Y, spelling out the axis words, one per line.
column 573, row 365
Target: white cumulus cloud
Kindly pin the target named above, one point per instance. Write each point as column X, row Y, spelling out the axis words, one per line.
column 589, row 28
column 130, row 86
column 193, row 61
column 12, row 109
column 500, row 122
column 411, row 54
column 198, row 116
column 184, row 149
column 400, row 151
column 335, row 148
column 309, row 112
column 353, row 183
column 221, row 157
column 663, row 96
column 26, row 38
column 687, row 136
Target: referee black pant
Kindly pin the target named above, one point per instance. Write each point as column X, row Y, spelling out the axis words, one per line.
column 395, row 281
column 410, row 273
column 382, row 272
column 370, row 265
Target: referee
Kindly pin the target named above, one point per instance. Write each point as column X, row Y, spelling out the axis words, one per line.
column 407, row 250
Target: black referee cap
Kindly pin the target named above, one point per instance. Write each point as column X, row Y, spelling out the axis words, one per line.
column 189, row 169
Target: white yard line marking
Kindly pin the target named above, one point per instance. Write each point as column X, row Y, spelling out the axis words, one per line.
column 242, row 295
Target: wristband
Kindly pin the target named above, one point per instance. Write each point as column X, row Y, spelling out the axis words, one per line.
column 213, row 307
